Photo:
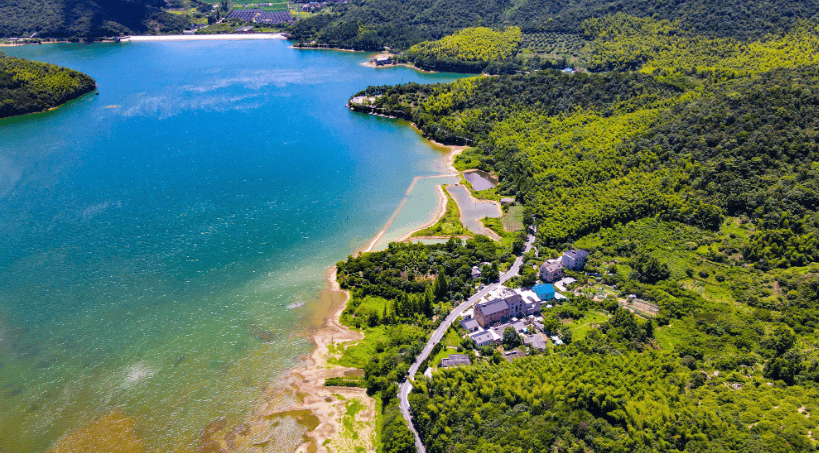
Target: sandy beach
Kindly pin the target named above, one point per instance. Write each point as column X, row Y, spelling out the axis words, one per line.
column 322, row 409
column 220, row 37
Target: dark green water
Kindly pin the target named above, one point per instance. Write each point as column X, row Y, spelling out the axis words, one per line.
column 163, row 243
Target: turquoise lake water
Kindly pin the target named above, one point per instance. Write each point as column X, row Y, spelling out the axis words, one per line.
column 164, row 242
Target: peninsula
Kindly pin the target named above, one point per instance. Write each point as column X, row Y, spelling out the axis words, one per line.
column 31, row 87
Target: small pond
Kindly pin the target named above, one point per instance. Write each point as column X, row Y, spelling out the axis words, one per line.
column 472, row 210
column 480, row 180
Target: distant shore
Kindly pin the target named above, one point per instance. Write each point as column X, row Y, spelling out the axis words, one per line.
column 146, row 38
column 216, row 37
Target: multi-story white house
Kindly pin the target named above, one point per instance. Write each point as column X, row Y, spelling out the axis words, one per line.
column 551, row 271
column 574, row 259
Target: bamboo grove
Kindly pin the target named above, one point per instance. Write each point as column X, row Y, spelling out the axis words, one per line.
column 688, row 167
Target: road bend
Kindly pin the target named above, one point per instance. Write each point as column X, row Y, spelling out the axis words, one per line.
column 406, row 387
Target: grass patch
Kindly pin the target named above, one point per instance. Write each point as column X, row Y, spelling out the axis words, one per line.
column 581, row 327
column 670, row 336
column 217, row 29
column 379, row 423
column 369, row 305
column 354, row 435
column 345, row 382
column 357, row 355
column 352, row 408
column 497, row 226
column 470, row 159
column 449, row 225
column 512, row 220
column 451, row 338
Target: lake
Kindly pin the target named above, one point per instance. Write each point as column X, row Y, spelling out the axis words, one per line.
column 165, row 241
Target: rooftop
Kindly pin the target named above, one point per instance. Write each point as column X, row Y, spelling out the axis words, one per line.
column 455, row 360
column 574, row 254
column 552, row 265
column 470, row 324
column 493, row 306
column 482, row 337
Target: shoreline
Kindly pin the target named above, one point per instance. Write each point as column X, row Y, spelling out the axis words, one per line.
column 51, row 109
column 214, row 37
column 439, row 213
column 440, row 209
column 322, row 409
column 370, row 64
column 307, row 381
column 148, row 38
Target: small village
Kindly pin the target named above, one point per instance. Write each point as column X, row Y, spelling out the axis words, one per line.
column 522, row 309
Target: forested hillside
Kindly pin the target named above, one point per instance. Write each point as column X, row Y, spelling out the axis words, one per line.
column 371, row 24
column 630, row 403
column 30, row 86
column 624, row 146
column 86, row 18
column 688, row 167
column 469, row 50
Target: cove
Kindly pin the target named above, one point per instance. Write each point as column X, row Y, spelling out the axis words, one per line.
column 165, row 242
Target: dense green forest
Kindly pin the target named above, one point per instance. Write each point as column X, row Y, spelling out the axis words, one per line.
column 86, row 18
column 30, row 86
column 399, row 24
column 469, row 50
column 688, row 168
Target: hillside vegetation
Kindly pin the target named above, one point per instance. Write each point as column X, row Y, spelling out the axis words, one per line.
column 399, row 24
column 622, row 146
column 86, row 18
column 690, row 172
column 469, row 50
column 30, row 86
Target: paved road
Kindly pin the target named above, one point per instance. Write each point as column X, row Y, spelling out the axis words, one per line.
column 406, row 387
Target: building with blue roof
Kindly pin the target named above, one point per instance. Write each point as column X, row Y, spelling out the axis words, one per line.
column 545, row 291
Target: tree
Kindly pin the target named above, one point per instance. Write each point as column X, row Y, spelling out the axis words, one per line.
column 650, row 269
column 785, row 368
column 566, row 335
column 441, row 286
column 490, row 272
column 697, row 379
column 511, row 339
column 783, row 339
column 528, row 277
column 518, row 244
column 396, row 436
column 427, row 301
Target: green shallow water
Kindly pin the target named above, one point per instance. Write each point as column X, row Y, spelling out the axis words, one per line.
column 164, row 242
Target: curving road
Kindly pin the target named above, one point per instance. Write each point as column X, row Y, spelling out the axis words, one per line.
column 406, row 387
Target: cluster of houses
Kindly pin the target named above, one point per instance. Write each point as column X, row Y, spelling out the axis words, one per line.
column 515, row 308
column 552, row 270
column 520, row 308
